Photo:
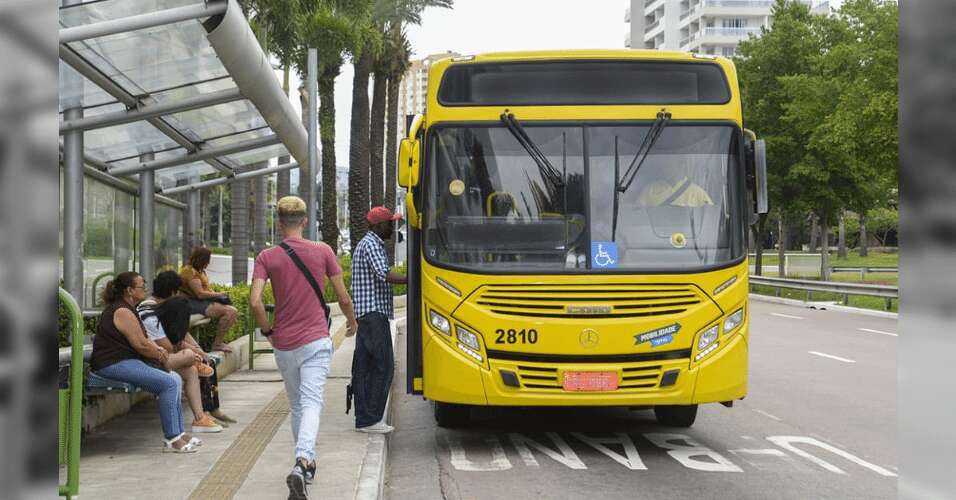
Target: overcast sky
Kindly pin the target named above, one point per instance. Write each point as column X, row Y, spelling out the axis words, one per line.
column 476, row 26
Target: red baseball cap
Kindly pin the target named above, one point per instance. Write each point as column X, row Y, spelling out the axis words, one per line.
column 381, row 214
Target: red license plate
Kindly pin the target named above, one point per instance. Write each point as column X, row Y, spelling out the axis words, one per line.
column 590, row 381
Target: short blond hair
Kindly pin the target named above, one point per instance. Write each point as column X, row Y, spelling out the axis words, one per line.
column 291, row 205
column 291, row 211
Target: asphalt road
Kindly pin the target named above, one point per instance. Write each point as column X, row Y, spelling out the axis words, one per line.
column 819, row 421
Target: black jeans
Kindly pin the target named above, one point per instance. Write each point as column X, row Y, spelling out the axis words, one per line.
column 373, row 364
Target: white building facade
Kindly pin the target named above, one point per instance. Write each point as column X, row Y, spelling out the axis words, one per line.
column 414, row 90
column 701, row 26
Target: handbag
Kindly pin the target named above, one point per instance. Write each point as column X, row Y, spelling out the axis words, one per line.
column 311, row 279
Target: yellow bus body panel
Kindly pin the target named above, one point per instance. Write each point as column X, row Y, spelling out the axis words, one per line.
column 455, row 374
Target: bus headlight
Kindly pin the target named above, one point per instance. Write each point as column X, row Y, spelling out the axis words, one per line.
column 707, row 338
column 439, row 322
column 733, row 321
column 469, row 339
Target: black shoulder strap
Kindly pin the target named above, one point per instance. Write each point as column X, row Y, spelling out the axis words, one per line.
column 308, row 275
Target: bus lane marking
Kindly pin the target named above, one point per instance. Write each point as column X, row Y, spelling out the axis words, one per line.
column 877, row 331
column 787, row 443
column 460, row 461
column 565, row 455
column 781, row 315
column 759, row 459
column 631, row 459
column 689, row 454
column 772, row 417
column 830, row 356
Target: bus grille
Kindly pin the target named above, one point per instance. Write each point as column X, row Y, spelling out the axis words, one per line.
column 588, row 301
column 635, row 378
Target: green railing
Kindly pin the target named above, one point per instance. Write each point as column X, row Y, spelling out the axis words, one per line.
column 250, row 322
column 96, row 281
column 71, row 400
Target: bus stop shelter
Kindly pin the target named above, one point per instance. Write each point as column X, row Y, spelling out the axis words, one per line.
column 158, row 100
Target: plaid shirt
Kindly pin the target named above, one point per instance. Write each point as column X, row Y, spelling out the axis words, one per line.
column 370, row 291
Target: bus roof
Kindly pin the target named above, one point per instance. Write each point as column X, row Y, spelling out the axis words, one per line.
column 584, row 54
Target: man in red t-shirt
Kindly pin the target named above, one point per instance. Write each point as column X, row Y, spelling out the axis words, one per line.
column 300, row 335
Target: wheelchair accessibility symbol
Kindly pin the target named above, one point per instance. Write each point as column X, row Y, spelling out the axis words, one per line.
column 604, row 254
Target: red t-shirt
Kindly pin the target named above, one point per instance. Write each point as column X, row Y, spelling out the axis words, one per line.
column 299, row 318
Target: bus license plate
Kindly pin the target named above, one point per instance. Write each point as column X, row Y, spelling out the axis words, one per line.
column 590, row 381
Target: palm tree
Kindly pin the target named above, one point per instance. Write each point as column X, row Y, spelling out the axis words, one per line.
column 392, row 62
column 400, row 50
column 334, row 28
column 359, row 148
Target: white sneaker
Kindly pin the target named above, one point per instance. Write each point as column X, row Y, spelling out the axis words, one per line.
column 378, row 428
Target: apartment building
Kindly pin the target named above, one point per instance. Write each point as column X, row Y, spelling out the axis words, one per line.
column 413, row 89
column 702, row 26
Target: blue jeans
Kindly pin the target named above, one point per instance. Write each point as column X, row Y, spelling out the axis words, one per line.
column 168, row 385
column 304, row 371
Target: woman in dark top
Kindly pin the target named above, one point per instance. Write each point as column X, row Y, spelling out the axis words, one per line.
column 122, row 351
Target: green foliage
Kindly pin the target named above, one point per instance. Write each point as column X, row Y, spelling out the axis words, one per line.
column 822, row 90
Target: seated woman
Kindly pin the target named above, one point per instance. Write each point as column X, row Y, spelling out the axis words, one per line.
column 166, row 318
column 204, row 301
column 122, row 351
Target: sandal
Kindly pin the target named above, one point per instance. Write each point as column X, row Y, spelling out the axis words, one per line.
column 168, row 447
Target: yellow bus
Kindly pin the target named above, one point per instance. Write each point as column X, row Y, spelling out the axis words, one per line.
column 577, row 232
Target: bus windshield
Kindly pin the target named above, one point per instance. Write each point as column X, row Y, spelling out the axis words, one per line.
column 490, row 207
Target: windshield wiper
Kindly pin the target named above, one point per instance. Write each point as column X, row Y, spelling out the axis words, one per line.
column 548, row 172
column 617, row 192
column 649, row 140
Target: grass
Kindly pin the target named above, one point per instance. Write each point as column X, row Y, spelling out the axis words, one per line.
column 874, row 259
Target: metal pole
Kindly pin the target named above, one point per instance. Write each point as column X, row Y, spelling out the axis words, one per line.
column 148, row 20
column 145, row 111
column 220, row 217
column 252, row 174
column 313, row 89
column 201, row 154
column 191, row 238
column 73, row 208
column 146, row 195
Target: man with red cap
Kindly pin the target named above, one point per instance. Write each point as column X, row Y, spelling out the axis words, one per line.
column 373, row 361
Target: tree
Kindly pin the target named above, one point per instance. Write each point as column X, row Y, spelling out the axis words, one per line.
column 392, row 60
column 359, row 148
column 783, row 51
column 845, row 107
column 334, row 28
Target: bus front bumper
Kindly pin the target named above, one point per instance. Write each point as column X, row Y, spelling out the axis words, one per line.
column 451, row 377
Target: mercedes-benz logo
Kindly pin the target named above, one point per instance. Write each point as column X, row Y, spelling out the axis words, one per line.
column 589, row 338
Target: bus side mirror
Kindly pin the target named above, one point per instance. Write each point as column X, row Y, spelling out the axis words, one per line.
column 408, row 163
column 760, row 177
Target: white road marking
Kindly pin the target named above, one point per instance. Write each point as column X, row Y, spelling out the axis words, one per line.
column 786, row 442
column 877, row 331
column 778, row 419
column 460, row 461
column 686, row 454
column 631, row 459
column 838, row 358
column 786, row 316
column 565, row 455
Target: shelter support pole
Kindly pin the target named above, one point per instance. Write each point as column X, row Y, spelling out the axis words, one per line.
column 73, row 208
column 147, row 193
column 313, row 88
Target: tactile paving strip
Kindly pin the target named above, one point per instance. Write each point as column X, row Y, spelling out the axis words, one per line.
column 232, row 468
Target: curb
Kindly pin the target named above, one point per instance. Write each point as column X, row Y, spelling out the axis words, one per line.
column 824, row 306
column 371, row 482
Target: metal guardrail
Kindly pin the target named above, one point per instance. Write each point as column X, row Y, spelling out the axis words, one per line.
column 887, row 292
column 864, row 269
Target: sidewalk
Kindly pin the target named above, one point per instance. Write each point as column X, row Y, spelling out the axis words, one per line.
column 249, row 460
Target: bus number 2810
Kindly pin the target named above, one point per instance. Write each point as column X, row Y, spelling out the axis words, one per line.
column 512, row 336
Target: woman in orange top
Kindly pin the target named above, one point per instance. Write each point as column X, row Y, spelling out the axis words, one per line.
column 204, row 301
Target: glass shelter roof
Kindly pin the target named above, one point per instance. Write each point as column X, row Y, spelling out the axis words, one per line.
column 145, row 78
